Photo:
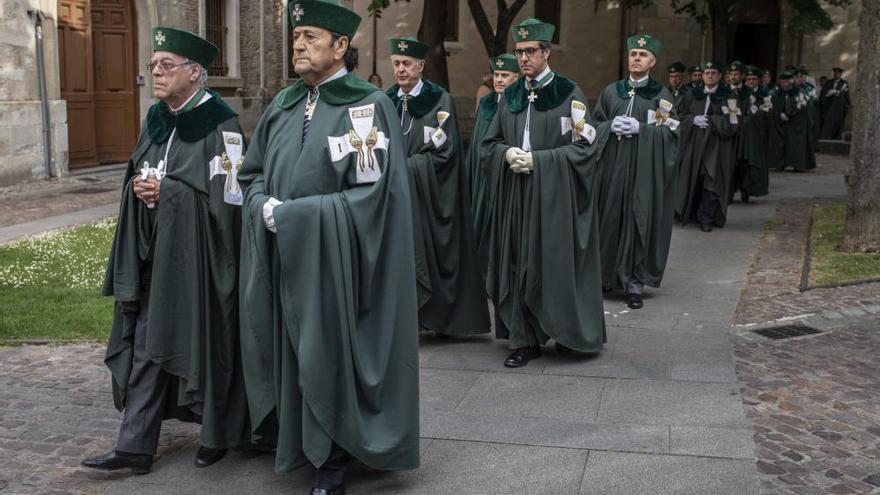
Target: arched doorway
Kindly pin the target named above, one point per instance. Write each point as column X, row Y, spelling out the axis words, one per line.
column 97, row 52
column 756, row 40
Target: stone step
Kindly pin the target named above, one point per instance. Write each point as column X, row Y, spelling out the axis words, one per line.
column 834, row 147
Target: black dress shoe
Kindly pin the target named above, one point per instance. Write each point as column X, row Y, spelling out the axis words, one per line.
column 522, row 356
column 705, row 227
column 206, row 456
column 113, row 460
column 561, row 349
column 634, row 301
column 325, row 491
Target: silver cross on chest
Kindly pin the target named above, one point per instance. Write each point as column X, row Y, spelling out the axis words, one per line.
column 532, row 97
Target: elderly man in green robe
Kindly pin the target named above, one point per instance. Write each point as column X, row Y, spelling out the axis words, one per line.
column 173, row 270
column 637, row 175
column 835, row 103
column 756, row 131
column 452, row 299
column 505, row 71
column 328, row 296
column 539, row 156
column 791, row 109
column 710, row 116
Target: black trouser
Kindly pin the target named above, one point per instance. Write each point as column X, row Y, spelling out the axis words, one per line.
column 710, row 205
column 740, row 171
column 331, row 474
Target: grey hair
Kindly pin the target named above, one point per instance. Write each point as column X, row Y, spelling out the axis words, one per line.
column 203, row 74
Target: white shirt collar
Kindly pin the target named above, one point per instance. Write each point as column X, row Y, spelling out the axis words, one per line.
column 205, row 97
column 336, row 75
column 414, row 92
column 707, row 90
column 736, row 87
column 637, row 81
column 542, row 75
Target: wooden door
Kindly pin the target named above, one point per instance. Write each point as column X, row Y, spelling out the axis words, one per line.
column 113, row 42
column 77, row 82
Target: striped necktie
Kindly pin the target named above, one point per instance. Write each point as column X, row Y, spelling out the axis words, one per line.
column 310, row 110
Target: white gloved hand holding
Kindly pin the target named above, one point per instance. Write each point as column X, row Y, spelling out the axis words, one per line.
column 701, row 121
column 514, row 157
column 525, row 163
column 783, row 117
column 268, row 216
column 617, row 124
column 630, row 126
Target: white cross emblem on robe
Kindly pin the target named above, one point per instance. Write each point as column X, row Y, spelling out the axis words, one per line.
column 402, row 46
column 298, row 12
column 532, row 97
column 732, row 111
column 523, row 32
column 160, row 38
column 642, row 42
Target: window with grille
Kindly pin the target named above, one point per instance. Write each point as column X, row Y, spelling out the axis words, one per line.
column 216, row 32
column 550, row 11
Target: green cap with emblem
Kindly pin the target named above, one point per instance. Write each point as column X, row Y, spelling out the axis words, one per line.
column 644, row 42
column 709, row 64
column 785, row 76
column 185, row 44
column 753, row 70
column 677, row 68
column 408, row 46
column 695, row 68
column 737, row 66
column 328, row 14
column 837, row 69
column 505, row 62
column 802, row 71
column 533, row 30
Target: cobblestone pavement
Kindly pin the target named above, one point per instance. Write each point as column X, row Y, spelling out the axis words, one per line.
column 772, row 289
column 55, row 409
column 815, row 406
column 41, row 199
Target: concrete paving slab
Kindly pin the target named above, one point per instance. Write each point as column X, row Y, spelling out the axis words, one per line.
column 652, row 402
column 441, row 389
column 615, row 473
column 734, row 443
column 480, row 353
column 507, row 395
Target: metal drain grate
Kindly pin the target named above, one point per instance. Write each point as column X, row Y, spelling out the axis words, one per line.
column 787, row 331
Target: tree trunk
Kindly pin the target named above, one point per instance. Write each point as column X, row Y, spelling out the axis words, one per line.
column 432, row 31
column 862, row 232
column 495, row 39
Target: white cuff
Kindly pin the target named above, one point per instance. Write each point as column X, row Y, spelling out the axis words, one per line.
column 268, row 216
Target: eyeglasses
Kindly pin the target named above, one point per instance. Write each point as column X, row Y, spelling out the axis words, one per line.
column 529, row 52
column 166, row 66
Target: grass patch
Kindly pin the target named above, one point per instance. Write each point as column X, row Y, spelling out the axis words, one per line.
column 828, row 266
column 50, row 286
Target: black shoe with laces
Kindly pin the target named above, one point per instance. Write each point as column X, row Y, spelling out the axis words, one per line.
column 521, row 357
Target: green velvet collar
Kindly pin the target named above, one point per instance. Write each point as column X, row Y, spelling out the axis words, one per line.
column 192, row 125
column 721, row 94
column 549, row 97
column 489, row 106
column 343, row 91
column 421, row 104
column 648, row 91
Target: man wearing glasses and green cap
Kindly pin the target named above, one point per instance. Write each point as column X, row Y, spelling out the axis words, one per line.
column 542, row 242
column 174, row 347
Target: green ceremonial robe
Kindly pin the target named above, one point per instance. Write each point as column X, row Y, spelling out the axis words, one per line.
column 798, row 152
column 813, row 128
column 707, row 155
column 756, row 131
column 835, row 103
column 329, row 302
column 452, row 299
column 485, row 114
column 542, row 240
column 637, row 184
column 677, row 94
column 192, row 239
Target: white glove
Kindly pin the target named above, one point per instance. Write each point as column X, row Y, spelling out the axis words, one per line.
column 268, row 216
column 630, row 126
column 525, row 163
column 514, row 157
column 701, row 121
column 783, row 117
column 617, row 124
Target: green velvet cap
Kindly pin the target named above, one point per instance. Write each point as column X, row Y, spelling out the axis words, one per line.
column 327, row 14
column 185, row 44
column 644, row 42
column 786, row 76
column 801, row 70
column 505, row 62
column 709, row 64
column 408, row 46
column 753, row 70
column 736, row 66
column 677, row 68
column 533, row 30
column 695, row 68
column 837, row 69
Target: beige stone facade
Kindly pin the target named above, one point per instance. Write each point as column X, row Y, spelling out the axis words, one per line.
column 590, row 51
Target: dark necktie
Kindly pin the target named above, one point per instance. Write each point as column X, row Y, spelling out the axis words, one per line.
column 533, row 83
column 310, row 109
